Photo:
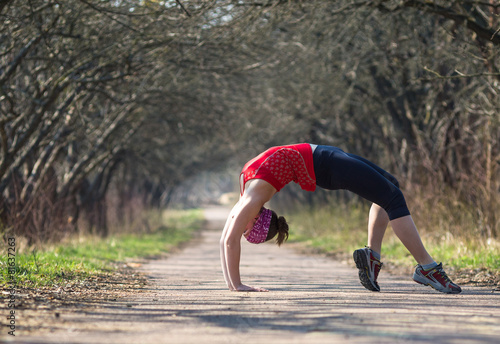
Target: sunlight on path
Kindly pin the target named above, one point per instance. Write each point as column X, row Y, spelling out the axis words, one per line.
column 312, row 299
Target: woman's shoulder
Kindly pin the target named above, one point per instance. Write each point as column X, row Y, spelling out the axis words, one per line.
column 259, row 189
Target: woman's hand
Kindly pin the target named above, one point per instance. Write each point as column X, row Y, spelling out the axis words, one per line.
column 243, row 287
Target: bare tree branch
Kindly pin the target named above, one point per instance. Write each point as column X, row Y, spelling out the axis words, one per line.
column 183, row 8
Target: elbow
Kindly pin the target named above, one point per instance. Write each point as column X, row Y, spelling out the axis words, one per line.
column 228, row 243
column 224, row 243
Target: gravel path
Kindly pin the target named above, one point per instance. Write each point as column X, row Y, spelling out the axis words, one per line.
column 311, row 300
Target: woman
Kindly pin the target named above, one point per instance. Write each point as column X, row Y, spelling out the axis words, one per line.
column 330, row 168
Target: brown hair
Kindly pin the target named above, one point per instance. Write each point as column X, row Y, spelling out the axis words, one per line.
column 278, row 226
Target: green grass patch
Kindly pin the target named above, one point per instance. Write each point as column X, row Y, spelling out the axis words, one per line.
column 341, row 230
column 82, row 257
column 475, row 255
column 328, row 229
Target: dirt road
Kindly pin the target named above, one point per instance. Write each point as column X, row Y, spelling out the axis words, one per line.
column 311, row 300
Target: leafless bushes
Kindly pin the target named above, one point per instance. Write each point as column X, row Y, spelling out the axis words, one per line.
column 415, row 90
column 106, row 107
column 81, row 82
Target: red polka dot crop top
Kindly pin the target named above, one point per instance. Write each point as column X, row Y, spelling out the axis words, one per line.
column 280, row 165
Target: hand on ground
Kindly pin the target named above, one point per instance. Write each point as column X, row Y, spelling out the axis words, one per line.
column 248, row 288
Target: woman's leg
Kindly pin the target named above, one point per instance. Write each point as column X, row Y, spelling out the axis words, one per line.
column 336, row 169
column 403, row 227
column 377, row 224
column 407, row 232
column 340, row 170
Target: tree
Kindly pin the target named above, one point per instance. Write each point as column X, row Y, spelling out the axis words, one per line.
column 110, row 106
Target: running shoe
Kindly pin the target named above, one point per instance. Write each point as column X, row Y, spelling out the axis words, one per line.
column 369, row 267
column 436, row 278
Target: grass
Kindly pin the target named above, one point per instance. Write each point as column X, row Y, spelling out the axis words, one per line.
column 331, row 230
column 87, row 256
column 341, row 230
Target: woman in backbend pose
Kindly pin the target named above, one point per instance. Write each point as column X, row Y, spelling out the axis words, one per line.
column 330, row 168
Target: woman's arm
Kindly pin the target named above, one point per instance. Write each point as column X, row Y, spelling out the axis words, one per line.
column 242, row 213
column 222, row 247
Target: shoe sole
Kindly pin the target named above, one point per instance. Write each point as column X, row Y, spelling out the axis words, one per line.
column 363, row 270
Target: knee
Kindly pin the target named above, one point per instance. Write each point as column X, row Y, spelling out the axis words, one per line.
column 392, row 179
column 397, row 206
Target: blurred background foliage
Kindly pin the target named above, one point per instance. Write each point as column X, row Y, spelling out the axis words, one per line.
column 110, row 108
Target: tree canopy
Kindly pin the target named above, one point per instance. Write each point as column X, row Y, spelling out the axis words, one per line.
column 127, row 99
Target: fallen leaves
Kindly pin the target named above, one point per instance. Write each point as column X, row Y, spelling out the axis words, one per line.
column 75, row 295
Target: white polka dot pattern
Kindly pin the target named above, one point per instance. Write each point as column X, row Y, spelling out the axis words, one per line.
column 285, row 165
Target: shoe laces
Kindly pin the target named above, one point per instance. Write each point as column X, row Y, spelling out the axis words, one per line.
column 444, row 275
column 440, row 271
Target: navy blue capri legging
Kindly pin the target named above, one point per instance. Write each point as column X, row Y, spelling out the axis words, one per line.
column 336, row 169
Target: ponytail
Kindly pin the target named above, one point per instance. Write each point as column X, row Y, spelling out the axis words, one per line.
column 278, row 226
